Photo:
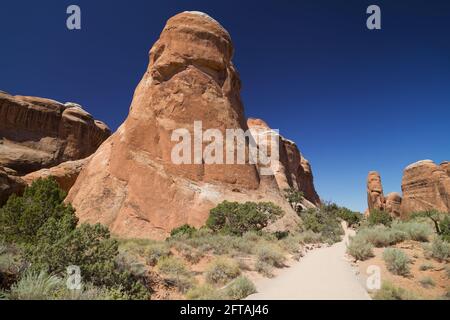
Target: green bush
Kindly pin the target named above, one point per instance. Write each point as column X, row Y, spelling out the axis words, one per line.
column 40, row 207
column 184, row 230
column 415, row 230
column 379, row 217
column 271, row 255
column 240, row 288
column 238, row 218
column 294, row 197
column 176, row 272
column 221, row 270
column 352, row 218
column 156, row 251
column 427, row 282
column 381, row 236
column 441, row 221
column 188, row 253
column 439, row 249
column 291, row 243
column 426, row 266
column 444, row 227
column 360, row 248
column 390, row 292
column 264, row 268
column 35, row 286
column 447, row 270
column 308, row 237
column 172, row 266
column 324, row 221
column 205, row 292
column 46, row 228
column 397, row 261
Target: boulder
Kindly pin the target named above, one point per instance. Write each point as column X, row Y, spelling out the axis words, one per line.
column 425, row 186
column 37, row 133
column 393, row 204
column 131, row 184
column 65, row 173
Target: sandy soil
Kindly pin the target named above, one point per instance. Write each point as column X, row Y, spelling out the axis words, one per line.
column 323, row 274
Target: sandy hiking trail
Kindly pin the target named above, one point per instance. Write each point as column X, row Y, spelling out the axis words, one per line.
column 322, row 274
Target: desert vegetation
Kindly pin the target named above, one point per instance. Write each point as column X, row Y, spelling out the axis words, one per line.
column 40, row 237
column 413, row 254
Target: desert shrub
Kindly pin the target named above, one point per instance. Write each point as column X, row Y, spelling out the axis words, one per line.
column 131, row 263
column 444, row 227
column 237, row 218
column 397, row 261
column 324, row 221
column 41, row 206
column 91, row 248
column 291, row 243
column 439, row 249
column 271, row 254
column 205, row 292
column 427, row 282
column 172, row 266
column 184, row 230
column 35, row 286
column 352, row 218
column 294, row 197
column 156, row 251
column 240, row 288
column 360, row 248
column 221, row 270
column 390, row 292
column 176, row 272
column 309, row 236
column 46, row 229
column 381, row 236
column 190, row 254
column 251, row 236
column 415, row 230
column 426, row 266
column 264, row 268
column 281, row 234
column 379, row 217
column 447, row 270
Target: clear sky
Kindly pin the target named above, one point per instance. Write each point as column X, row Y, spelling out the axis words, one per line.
column 354, row 100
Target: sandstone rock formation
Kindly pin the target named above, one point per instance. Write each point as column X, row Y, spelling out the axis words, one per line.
column 9, row 184
column 131, row 183
column 65, row 173
column 375, row 196
column 425, row 186
column 393, row 203
column 38, row 133
column 293, row 170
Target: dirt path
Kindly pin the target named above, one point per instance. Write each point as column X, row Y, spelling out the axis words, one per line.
column 323, row 274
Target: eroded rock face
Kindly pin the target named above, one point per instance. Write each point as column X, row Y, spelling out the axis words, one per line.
column 425, row 186
column 375, row 196
column 131, row 183
column 9, row 184
column 292, row 170
column 38, row 133
column 393, row 204
column 65, row 173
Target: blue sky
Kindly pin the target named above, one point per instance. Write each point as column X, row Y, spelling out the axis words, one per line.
column 354, row 100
